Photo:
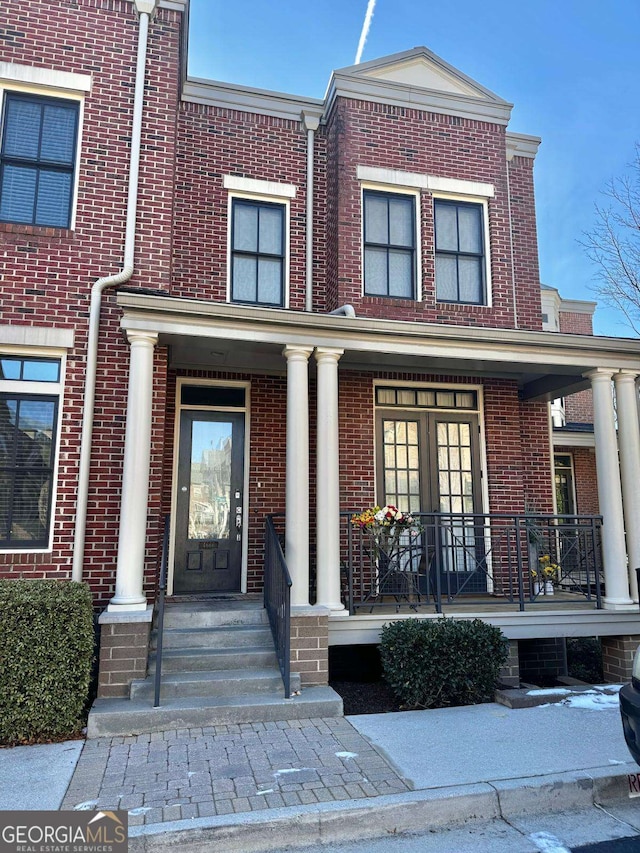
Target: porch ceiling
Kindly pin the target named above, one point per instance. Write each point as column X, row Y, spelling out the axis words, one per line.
column 218, row 336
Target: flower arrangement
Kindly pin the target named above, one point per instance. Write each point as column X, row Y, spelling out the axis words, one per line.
column 386, row 525
column 549, row 572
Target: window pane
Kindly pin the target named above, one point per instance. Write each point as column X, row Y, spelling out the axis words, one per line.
column 54, row 196
column 446, row 228
column 376, row 219
column 470, row 229
column 401, row 222
column 6, row 481
column 375, row 271
column 40, row 371
column 244, row 287
column 35, row 432
column 446, row 278
column 269, row 279
column 8, row 410
column 245, row 228
column 58, row 134
column 17, row 193
column 22, row 130
column 10, row 368
column 470, row 272
column 400, row 278
column 270, row 230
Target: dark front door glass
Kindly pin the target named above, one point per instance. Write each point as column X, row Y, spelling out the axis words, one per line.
column 208, row 549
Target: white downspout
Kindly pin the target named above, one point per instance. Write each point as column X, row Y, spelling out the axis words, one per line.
column 311, row 123
column 145, row 8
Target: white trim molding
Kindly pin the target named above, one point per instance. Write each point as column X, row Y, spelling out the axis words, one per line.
column 50, row 78
column 257, row 187
column 419, row 180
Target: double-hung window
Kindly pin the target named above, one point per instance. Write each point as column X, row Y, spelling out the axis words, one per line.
column 28, row 441
column 460, row 252
column 257, row 252
column 389, row 244
column 37, row 160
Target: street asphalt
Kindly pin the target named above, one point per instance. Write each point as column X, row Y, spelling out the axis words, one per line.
column 243, row 787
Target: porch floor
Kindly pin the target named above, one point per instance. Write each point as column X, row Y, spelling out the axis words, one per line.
column 476, row 604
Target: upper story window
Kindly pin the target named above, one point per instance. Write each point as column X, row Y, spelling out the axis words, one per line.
column 29, row 402
column 37, row 160
column 257, row 252
column 389, row 244
column 460, row 252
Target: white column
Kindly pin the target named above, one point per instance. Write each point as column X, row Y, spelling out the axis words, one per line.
column 297, row 486
column 629, row 443
column 328, row 481
column 135, row 477
column 609, row 492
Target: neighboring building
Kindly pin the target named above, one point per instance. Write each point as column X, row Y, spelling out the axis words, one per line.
column 317, row 305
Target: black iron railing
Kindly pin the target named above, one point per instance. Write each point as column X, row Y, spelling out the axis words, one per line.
column 277, row 598
column 449, row 557
column 162, row 588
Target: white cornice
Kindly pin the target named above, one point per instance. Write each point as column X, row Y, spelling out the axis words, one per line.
column 174, row 5
column 522, row 145
column 567, row 438
column 246, row 99
column 578, row 306
column 346, row 85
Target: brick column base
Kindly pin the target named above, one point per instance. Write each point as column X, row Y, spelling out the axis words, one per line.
column 124, row 650
column 310, row 644
column 617, row 657
column 510, row 672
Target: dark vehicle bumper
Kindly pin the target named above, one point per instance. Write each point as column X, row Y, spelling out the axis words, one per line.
column 630, row 711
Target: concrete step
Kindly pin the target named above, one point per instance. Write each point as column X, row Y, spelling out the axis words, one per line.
column 230, row 682
column 207, row 614
column 199, row 659
column 122, row 717
column 227, row 637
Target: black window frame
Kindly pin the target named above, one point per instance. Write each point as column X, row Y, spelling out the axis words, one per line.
column 36, row 164
column 482, row 256
column 389, row 247
column 18, row 473
column 281, row 256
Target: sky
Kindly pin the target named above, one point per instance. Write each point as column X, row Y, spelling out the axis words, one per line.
column 570, row 67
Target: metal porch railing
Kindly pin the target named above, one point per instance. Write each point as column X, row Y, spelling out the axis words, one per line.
column 277, row 599
column 461, row 558
column 162, row 589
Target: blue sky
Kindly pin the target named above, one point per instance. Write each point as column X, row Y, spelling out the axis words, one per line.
column 572, row 70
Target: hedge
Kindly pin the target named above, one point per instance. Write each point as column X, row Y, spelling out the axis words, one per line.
column 435, row 663
column 46, row 650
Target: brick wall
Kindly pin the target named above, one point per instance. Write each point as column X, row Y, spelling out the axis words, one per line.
column 585, row 478
column 617, row 657
column 46, row 274
column 542, row 660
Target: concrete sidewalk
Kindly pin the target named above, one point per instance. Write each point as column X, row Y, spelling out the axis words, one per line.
column 244, row 787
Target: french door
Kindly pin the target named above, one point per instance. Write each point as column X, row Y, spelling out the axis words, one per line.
column 428, row 461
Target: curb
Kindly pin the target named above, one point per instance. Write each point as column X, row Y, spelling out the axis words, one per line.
column 415, row 811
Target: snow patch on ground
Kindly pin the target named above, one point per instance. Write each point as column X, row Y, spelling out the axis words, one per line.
column 346, row 754
column 549, row 691
column 291, row 770
column 592, row 700
column 548, row 843
column 86, row 806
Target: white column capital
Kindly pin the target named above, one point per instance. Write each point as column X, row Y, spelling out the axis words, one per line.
column 599, row 374
column 626, row 375
column 137, row 337
column 328, row 354
column 293, row 352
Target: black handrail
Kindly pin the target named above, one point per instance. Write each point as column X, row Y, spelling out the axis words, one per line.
column 162, row 588
column 460, row 554
column 277, row 600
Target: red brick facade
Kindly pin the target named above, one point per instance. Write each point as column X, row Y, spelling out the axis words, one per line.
column 181, row 250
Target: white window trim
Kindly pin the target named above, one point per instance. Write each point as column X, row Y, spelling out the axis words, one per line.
column 484, row 203
column 273, row 199
column 51, row 389
column 394, row 190
column 181, row 381
column 420, row 181
column 49, row 83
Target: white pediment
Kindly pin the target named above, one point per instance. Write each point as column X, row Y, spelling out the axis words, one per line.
column 424, row 75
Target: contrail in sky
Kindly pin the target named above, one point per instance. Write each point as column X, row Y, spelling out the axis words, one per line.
column 371, row 5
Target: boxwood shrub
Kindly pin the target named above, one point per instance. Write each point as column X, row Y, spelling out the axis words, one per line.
column 46, row 649
column 434, row 663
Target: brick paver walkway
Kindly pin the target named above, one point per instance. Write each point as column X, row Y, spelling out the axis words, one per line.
column 218, row 770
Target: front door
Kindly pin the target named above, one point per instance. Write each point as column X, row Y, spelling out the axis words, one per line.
column 429, row 462
column 208, row 534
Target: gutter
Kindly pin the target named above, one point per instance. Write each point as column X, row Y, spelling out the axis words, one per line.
column 145, row 8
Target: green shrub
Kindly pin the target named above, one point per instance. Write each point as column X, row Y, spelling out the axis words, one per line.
column 46, row 649
column 434, row 663
column 584, row 659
